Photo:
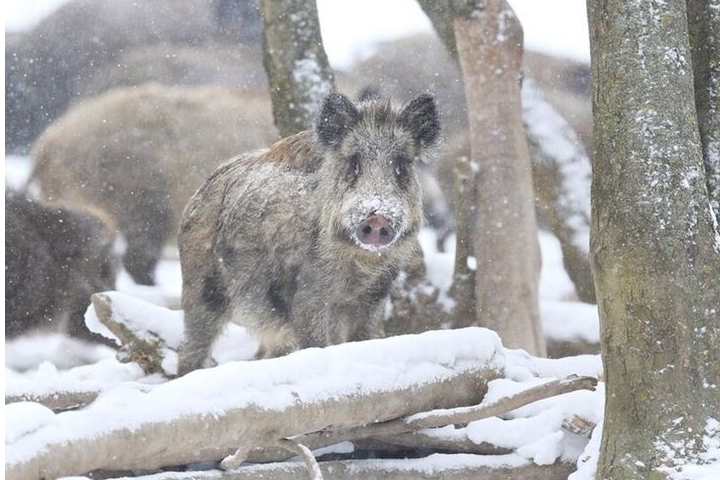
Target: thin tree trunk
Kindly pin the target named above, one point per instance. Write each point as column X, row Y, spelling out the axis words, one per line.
column 655, row 253
column 489, row 42
column 566, row 214
column 295, row 61
column 704, row 24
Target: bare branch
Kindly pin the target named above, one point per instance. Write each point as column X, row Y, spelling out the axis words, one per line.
column 58, row 400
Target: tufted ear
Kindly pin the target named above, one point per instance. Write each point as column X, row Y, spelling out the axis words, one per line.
column 336, row 117
column 420, row 117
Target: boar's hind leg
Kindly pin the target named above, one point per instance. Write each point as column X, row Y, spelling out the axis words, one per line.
column 201, row 329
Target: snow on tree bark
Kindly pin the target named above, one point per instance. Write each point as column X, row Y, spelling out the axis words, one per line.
column 655, row 251
column 295, row 61
column 489, row 42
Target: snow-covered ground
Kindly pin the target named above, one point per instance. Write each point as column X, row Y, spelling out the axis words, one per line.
column 351, row 28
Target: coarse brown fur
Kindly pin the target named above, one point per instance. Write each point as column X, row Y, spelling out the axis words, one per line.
column 269, row 241
column 56, row 257
column 139, row 153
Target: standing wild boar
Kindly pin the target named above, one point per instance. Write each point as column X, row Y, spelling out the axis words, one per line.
column 56, row 257
column 300, row 243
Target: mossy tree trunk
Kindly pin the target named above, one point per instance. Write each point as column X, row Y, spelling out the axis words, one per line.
column 295, row 61
column 654, row 244
column 489, row 44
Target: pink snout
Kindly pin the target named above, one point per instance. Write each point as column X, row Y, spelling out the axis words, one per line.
column 375, row 231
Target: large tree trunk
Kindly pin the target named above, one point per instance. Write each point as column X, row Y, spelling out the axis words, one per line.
column 295, row 61
column 489, row 43
column 656, row 253
column 704, row 24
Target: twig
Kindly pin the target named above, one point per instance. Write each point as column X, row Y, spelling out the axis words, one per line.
column 235, row 460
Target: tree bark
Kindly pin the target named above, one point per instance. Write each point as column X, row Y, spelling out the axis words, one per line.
column 295, row 61
column 704, row 25
column 656, row 254
column 489, row 42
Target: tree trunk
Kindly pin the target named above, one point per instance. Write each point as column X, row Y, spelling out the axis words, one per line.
column 489, row 43
column 656, row 254
column 704, row 24
column 295, row 61
column 558, row 195
column 561, row 174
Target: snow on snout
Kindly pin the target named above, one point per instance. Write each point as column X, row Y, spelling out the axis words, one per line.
column 359, row 209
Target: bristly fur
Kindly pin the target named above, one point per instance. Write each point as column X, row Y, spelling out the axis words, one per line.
column 274, row 231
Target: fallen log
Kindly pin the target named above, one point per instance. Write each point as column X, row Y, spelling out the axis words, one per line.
column 436, row 466
column 209, row 414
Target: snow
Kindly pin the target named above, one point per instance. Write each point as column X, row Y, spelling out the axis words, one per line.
column 17, row 170
column 22, row 418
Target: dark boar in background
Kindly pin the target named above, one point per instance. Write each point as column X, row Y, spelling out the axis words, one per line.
column 55, row 258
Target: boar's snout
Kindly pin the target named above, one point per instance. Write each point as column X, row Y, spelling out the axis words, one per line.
column 375, row 231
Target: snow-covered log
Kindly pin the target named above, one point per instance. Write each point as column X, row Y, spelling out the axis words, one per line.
column 209, row 414
column 437, row 466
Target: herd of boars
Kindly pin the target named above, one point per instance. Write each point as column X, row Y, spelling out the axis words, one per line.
column 125, row 127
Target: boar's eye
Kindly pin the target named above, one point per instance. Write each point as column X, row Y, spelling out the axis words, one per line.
column 401, row 169
column 353, row 166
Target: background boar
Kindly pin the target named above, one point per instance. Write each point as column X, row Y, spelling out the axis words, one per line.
column 46, row 67
column 56, row 257
column 301, row 243
column 139, row 153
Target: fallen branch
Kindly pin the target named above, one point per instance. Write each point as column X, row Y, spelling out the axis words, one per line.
column 579, row 426
column 459, row 444
column 397, row 430
column 143, row 349
column 392, row 378
column 57, row 401
column 437, row 466
column 234, row 461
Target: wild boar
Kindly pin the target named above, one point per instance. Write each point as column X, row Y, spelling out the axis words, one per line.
column 302, row 242
column 56, row 257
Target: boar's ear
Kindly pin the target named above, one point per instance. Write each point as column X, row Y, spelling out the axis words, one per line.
column 336, row 117
column 420, row 117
